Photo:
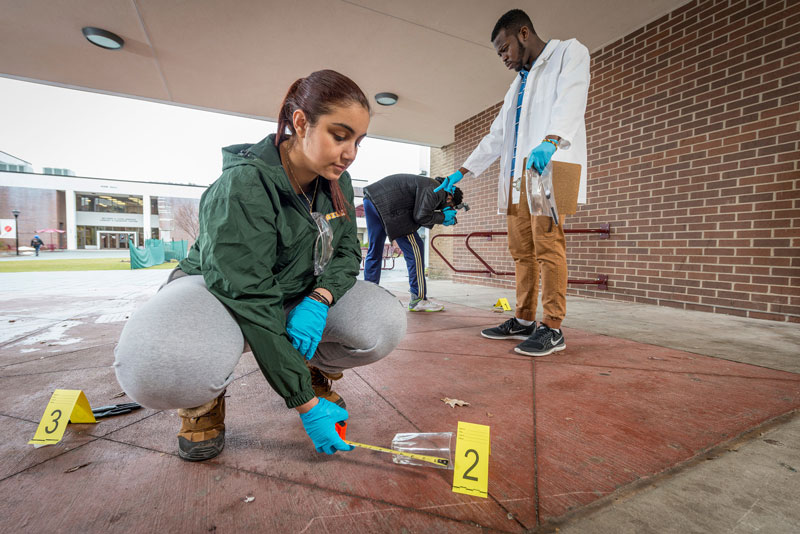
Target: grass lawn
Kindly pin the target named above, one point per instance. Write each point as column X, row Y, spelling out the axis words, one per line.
column 91, row 264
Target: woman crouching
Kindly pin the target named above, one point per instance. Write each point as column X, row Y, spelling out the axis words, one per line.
column 275, row 264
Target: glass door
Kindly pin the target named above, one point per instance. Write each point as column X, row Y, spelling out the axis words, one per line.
column 116, row 240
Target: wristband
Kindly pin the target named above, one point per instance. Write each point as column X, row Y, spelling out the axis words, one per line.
column 551, row 141
column 316, row 295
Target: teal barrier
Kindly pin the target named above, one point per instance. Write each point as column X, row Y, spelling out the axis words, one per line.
column 156, row 252
column 176, row 250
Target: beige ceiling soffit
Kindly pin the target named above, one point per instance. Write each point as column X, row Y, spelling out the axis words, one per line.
column 152, row 49
column 356, row 4
column 134, row 97
column 187, row 106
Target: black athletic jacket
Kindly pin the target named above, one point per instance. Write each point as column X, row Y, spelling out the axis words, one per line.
column 407, row 201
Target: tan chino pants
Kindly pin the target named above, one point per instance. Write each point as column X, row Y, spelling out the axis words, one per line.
column 539, row 248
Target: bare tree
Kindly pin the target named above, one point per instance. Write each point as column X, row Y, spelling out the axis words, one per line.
column 187, row 219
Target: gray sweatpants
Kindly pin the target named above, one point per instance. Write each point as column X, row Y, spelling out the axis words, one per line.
column 180, row 348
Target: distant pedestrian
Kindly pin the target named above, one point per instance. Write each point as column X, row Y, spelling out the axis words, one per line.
column 37, row 243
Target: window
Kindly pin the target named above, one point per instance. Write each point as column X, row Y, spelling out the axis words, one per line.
column 108, row 203
column 9, row 167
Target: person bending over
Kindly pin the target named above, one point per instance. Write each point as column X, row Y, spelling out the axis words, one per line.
column 397, row 206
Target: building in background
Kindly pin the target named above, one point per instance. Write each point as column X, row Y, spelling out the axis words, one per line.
column 14, row 164
column 103, row 213
column 94, row 213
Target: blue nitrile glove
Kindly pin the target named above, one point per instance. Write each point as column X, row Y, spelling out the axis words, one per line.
column 450, row 182
column 449, row 216
column 540, row 156
column 305, row 325
column 320, row 424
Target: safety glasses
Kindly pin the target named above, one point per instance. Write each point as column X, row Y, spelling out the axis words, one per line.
column 323, row 245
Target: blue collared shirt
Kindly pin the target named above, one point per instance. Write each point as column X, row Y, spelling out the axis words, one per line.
column 524, row 75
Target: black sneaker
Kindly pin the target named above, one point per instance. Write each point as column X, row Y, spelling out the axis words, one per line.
column 542, row 342
column 510, row 329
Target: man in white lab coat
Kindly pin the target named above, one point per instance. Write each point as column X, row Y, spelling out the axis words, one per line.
column 542, row 118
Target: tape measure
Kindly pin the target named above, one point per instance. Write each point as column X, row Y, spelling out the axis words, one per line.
column 431, row 459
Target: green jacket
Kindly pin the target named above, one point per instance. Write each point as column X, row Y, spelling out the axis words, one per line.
column 256, row 251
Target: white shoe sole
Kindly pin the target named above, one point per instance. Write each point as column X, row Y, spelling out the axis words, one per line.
column 489, row 336
column 557, row 348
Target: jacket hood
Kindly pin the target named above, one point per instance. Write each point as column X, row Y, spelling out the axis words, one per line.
column 238, row 154
column 263, row 155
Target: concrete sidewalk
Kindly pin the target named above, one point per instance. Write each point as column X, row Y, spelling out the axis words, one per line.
column 653, row 420
column 753, row 482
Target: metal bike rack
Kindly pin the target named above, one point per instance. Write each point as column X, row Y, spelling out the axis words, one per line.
column 601, row 281
column 388, row 254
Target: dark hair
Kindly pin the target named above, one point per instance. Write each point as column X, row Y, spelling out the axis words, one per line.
column 458, row 197
column 511, row 22
column 458, row 194
column 316, row 95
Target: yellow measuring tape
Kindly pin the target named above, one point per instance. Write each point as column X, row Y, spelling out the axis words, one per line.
column 432, row 459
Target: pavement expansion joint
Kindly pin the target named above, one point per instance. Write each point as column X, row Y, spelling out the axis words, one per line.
column 510, row 355
column 57, row 354
column 65, row 451
column 387, row 401
column 57, row 371
column 670, row 371
column 209, row 464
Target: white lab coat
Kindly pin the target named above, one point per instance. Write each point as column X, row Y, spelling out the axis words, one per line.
column 554, row 103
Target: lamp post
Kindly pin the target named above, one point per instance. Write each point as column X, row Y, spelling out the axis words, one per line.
column 16, row 226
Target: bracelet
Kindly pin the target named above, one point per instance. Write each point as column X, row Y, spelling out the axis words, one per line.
column 319, row 297
column 551, row 141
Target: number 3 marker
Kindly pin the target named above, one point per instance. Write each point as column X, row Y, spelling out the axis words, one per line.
column 69, row 402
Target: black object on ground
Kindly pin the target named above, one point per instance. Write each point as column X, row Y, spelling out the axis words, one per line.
column 115, row 409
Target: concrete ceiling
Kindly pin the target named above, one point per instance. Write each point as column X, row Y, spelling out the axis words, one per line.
column 240, row 56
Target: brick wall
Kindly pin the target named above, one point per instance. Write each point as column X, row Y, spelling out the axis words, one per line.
column 481, row 195
column 39, row 210
column 441, row 165
column 693, row 160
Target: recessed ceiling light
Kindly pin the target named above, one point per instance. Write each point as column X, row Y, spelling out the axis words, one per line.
column 102, row 38
column 386, row 99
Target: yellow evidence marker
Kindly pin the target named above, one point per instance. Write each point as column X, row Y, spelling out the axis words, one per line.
column 65, row 406
column 503, row 304
column 471, row 469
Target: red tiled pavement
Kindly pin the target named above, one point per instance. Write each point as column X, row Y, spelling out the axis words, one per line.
column 566, row 429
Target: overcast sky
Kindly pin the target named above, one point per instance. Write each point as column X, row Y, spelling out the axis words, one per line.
column 114, row 137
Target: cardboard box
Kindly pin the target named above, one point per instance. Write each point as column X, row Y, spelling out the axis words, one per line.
column 566, row 184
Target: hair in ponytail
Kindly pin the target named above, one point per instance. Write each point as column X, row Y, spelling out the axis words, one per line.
column 316, row 95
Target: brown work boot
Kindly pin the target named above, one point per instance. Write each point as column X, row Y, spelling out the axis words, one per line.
column 202, row 434
column 321, row 382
